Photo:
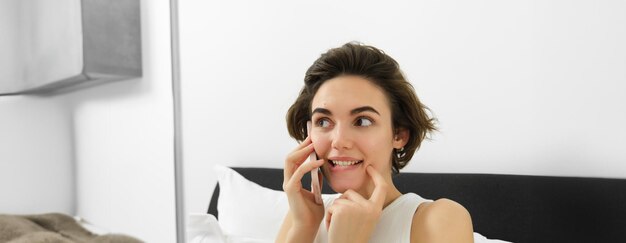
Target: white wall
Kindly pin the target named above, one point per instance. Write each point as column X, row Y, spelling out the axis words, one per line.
column 531, row 87
column 124, row 142
column 36, row 164
column 105, row 153
column 36, row 135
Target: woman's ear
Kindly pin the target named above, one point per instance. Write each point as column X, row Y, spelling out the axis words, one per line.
column 401, row 137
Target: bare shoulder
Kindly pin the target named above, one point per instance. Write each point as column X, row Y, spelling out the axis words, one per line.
column 443, row 220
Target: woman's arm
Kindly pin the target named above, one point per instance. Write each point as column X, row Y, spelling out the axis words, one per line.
column 288, row 233
column 303, row 219
column 284, row 229
column 442, row 221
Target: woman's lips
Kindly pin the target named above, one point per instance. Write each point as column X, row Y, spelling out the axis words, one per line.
column 344, row 165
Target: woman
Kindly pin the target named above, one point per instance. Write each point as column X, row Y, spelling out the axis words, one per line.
column 367, row 123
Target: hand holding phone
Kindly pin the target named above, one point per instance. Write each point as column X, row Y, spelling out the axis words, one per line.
column 315, row 182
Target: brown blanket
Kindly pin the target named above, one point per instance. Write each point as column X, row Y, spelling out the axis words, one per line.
column 51, row 228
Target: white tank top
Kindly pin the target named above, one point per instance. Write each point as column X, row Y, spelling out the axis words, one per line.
column 394, row 225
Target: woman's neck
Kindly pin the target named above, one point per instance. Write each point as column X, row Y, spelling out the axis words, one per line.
column 392, row 193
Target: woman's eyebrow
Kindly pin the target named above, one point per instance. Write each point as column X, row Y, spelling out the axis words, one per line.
column 352, row 112
column 363, row 109
column 322, row 110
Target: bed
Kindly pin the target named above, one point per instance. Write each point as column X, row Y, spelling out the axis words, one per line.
column 515, row 208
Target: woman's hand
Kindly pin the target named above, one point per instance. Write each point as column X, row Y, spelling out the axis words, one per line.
column 353, row 218
column 306, row 215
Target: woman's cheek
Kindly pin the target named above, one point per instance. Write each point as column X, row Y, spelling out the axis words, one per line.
column 320, row 144
column 377, row 152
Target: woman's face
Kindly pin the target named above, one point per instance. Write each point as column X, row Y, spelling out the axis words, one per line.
column 352, row 129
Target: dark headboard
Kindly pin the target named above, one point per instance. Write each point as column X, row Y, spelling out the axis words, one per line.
column 510, row 207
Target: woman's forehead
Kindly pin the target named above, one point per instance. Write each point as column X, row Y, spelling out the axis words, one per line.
column 345, row 93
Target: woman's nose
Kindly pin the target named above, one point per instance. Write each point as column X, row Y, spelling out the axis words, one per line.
column 342, row 139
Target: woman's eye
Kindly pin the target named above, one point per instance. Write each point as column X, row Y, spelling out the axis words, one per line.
column 323, row 123
column 363, row 122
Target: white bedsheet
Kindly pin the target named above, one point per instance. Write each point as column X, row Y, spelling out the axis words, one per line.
column 204, row 228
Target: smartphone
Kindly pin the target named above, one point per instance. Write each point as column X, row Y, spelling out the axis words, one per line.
column 316, row 189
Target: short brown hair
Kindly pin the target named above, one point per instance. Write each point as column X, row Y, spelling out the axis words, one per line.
column 374, row 65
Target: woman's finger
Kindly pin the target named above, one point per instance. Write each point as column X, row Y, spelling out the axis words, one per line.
column 303, row 150
column 304, row 168
column 295, row 181
column 330, row 211
column 354, row 196
column 379, row 194
column 303, row 144
column 295, row 159
column 328, row 217
column 320, row 177
column 345, row 202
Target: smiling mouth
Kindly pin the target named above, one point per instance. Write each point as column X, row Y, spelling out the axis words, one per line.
column 344, row 163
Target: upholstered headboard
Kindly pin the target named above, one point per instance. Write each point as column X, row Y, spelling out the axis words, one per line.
column 510, row 207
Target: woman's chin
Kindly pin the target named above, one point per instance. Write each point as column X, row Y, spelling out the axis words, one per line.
column 341, row 187
column 341, row 181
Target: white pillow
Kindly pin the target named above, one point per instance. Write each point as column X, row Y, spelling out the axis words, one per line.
column 247, row 209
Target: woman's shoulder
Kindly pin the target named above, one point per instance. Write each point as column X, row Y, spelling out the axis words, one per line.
column 443, row 220
column 441, row 209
